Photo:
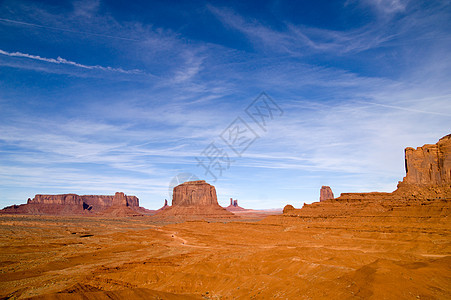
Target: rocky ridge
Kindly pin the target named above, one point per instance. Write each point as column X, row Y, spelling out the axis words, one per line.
column 425, row 192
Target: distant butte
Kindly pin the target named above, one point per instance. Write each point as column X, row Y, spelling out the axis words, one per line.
column 194, row 200
column 194, row 193
column 325, row 193
column 73, row 204
column 234, row 207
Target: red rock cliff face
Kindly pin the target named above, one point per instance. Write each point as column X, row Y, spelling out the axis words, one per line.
column 98, row 200
column 430, row 164
column 132, row 201
column 65, row 199
column 194, row 193
column 120, row 199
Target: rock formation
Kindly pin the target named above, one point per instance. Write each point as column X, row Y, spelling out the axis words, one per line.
column 164, row 206
column 194, row 200
column 198, row 193
column 96, row 201
column 426, row 188
column 430, row 164
column 234, row 207
column 120, row 199
column 288, row 209
column 67, row 204
column 120, row 207
column 65, row 199
column 325, row 193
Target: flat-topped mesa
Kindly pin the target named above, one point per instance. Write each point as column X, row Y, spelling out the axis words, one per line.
column 194, row 193
column 325, row 193
column 73, row 204
column 64, row 199
column 430, row 164
column 98, row 201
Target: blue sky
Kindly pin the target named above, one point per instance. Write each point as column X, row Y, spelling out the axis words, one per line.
column 105, row 96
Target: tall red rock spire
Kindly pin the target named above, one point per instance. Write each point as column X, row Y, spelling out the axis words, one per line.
column 325, row 193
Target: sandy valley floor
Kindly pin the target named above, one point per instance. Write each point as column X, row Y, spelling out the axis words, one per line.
column 279, row 257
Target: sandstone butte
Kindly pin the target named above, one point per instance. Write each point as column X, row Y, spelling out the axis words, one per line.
column 72, row 204
column 194, row 200
column 325, row 193
column 426, row 189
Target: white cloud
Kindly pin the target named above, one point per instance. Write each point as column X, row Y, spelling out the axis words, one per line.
column 60, row 60
column 296, row 40
column 192, row 66
column 86, row 8
column 135, row 43
column 388, row 6
column 69, row 30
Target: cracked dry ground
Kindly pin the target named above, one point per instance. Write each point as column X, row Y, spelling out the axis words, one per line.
column 279, row 257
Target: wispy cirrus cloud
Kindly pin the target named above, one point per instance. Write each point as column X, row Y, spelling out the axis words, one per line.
column 61, row 61
column 383, row 6
column 296, row 40
column 300, row 40
column 157, row 52
column 68, row 30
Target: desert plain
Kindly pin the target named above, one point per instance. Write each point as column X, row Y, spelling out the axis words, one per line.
column 275, row 258
column 356, row 246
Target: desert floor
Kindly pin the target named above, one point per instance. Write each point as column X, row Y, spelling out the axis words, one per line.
column 279, row 257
